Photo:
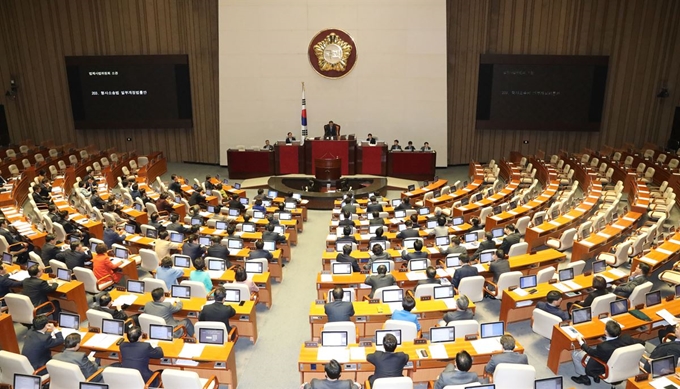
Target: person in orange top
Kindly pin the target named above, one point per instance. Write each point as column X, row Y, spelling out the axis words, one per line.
column 102, row 265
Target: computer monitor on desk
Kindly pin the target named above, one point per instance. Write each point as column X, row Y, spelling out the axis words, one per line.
column 25, row 381
column 442, row 334
column 417, row 264
column 135, row 286
column 485, row 257
column 442, row 241
column 453, row 260
column 180, row 291
column 653, row 298
column 232, row 295
column 618, row 307
column 160, row 332
column 527, row 282
column 582, row 315
column 599, row 266
column 342, row 268
column 7, row 258
column 254, row 268
column 662, row 366
column 471, row 237
column 129, row 228
column 457, row 221
column 216, row 264
column 176, row 237
column 392, row 295
column 63, row 274
column 334, row 339
column 443, row 292
column 566, row 274
column 492, row 330
column 69, row 320
column 234, row 244
column 380, row 335
column 549, row 383
column 211, row 336
column 113, row 327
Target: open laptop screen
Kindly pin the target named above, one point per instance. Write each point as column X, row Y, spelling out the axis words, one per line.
column 497, row 232
column 183, row 261
column 334, row 338
column 211, row 335
column 380, row 335
column 254, row 267
column 442, row 334
column 135, row 286
column 63, row 274
column 485, row 257
column 663, row 366
column 457, row 221
column 130, row 228
column 160, row 332
column 25, row 381
column 453, row 260
column 471, row 237
column 180, row 291
column 112, row 327
column 417, row 264
column 491, row 330
column 69, row 320
column 342, row 268
column 549, row 383
column 527, row 281
column 232, row 295
column 442, row 241
column 653, row 298
column 216, row 264
column 581, row 315
column 443, row 292
column 566, row 274
column 151, row 233
column 392, row 295
column 618, row 307
column 599, row 266
column 7, row 258
column 234, row 244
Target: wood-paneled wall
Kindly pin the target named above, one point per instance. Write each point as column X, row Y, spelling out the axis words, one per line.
column 36, row 35
column 641, row 37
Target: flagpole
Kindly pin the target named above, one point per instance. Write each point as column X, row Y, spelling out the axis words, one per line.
column 303, row 116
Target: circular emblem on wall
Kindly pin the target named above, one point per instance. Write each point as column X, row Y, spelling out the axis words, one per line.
column 332, row 53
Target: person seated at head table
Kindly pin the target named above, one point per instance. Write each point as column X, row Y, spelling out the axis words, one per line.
column 290, row 138
column 395, row 146
column 371, row 140
column 332, row 380
column 410, row 147
column 426, row 147
column 331, row 130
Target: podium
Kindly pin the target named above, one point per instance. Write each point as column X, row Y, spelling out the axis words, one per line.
column 345, row 150
column 327, row 169
column 290, row 158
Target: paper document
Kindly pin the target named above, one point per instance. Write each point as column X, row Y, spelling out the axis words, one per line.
column 571, row 284
column 135, row 238
column 618, row 273
column 186, row 362
column 674, row 241
column 101, row 341
column 191, row 350
column 68, row 331
column 326, row 278
column 340, row 354
column 571, row 332
column 486, row 346
column 649, row 261
column 562, row 287
column 521, row 292
column 416, row 275
column 663, row 383
column 480, row 267
column 433, row 250
column 20, row 275
column 450, row 303
column 602, row 234
column 555, row 223
column 357, row 353
column 438, row 351
column 667, row 316
column 442, row 272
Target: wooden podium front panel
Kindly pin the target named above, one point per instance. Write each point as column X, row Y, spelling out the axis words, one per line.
column 372, row 160
column 343, row 149
column 290, row 159
column 418, row 166
column 250, row 163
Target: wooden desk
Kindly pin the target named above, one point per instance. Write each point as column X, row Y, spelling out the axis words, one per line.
column 511, row 175
column 415, row 165
column 343, row 149
column 370, row 317
column 8, row 338
column 418, row 193
column 661, row 255
column 631, row 384
column 245, row 319
column 605, row 239
column 514, row 307
column 171, row 351
column 562, row 344
column 420, row 370
column 372, row 159
column 263, row 281
column 250, row 163
column 275, row 268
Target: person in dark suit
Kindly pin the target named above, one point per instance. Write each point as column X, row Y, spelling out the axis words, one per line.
column 665, row 349
column 379, row 237
column 637, row 277
column 75, row 256
column 374, row 206
column 499, row 265
column 459, row 374
column 346, row 220
column 162, row 204
column 376, row 254
column 371, row 140
column 347, row 236
column 136, row 355
column 431, row 274
column 332, row 380
column 290, row 138
column 235, row 203
column 426, row 147
column 387, row 363
column 602, row 351
column 511, row 238
column 409, row 232
column 49, row 249
column 466, row 270
column 20, row 250
column 417, row 254
column 461, row 313
column 331, row 130
column 192, row 248
column 338, row 310
column 345, row 257
column 599, row 289
column 395, row 146
column 197, row 198
column 271, row 235
column 6, row 283
column 175, row 225
column 454, row 247
column 38, row 289
column 72, row 355
column 507, row 356
column 111, row 235
column 405, row 204
column 486, row 244
column 218, row 311
column 39, row 342
column 158, row 307
column 410, row 146
column 218, row 250
column 348, row 206
column 260, row 252
column 380, row 280
column 175, row 185
column 96, row 201
column 39, row 198
column 552, row 306
column 117, row 313
column 377, row 220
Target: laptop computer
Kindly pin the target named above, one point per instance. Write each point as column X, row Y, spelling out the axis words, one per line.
column 279, row 229
column 566, row 274
column 464, row 201
column 254, row 267
column 234, row 212
column 401, row 227
column 485, row 257
column 346, row 296
column 135, row 286
column 471, row 237
column 130, row 228
column 442, row 241
column 380, row 243
column 548, row 383
column 443, row 292
column 232, row 295
column 210, row 208
column 458, row 221
column 248, row 227
column 399, row 213
column 30, row 263
column 25, row 381
column 176, row 237
column 496, row 209
column 183, row 261
column 272, row 194
column 113, row 327
column 234, row 244
column 69, row 320
column 180, row 291
column 63, row 274
column 618, row 307
column 662, row 366
column 244, row 200
column 211, row 336
column 453, row 260
column 138, row 207
column 258, row 215
column 160, row 332
column 423, row 211
column 599, row 266
column 93, row 247
column 408, row 243
column 216, row 265
column 204, row 240
column 220, row 225
column 376, row 264
column 431, row 224
column 269, row 245
column 582, row 315
column 442, row 334
column 395, row 202
column 290, row 205
column 285, row 216
column 492, row 330
column 392, row 296
column 7, row 258
column 538, row 220
column 417, row 264
column 151, row 233
column 527, row 282
column 237, row 185
column 121, row 253
column 342, row 268
column 380, row 336
column 411, row 188
column 497, row 232
column 653, row 298
column 196, row 221
column 334, row 339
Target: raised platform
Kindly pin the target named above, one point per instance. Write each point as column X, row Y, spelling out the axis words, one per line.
column 322, row 194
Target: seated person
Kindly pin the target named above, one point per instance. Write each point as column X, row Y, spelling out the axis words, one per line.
column 459, row 374
column 338, row 310
column 374, row 205
column 175, row 225
column 466, row 270
column 348, row 207
column 378, row 235
column 71, row 355
column 347, row 236
column 136, row 355
column 665, row 349
column 260, row 252
column 599, row 289
column 38, row 290
column 258, row 206
column 175, row 185
column 75, row 256
column 270, row 235
column 638, row 277
column 39, row 340
column 554, row 299
column 290, row 138
column 417, row 254
column 200, row 275
column 498, row 265
column 511, row 238
column 162, row 204
column 371, row 140
column 454, row 247
column 409, row 232
column 347, row 220
column 380, row 280
column 486, row 244
column 208, row 183
column 441, row 229
column 158, row 307
column 426, row 147
column 104, row 270
column 197, row 198
column 6, row 283
column 332, row 380
column 218, row 311
column 476, row 225
column 345, row 256
column 218, row 250
column 387, row 363
column 431, row 274
column 113, row 235
column 410, row 146
column 118, row 313
column 377, row 254
column 405, row 204
column 507, row 356
column 395, row 146
column 267, row 146
column 462, row 311
column 377, row 220
column 405, row 314
column 154, row 220
column 192, row 248
column 241, row 277
column 163, row 246
column 168, row 273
